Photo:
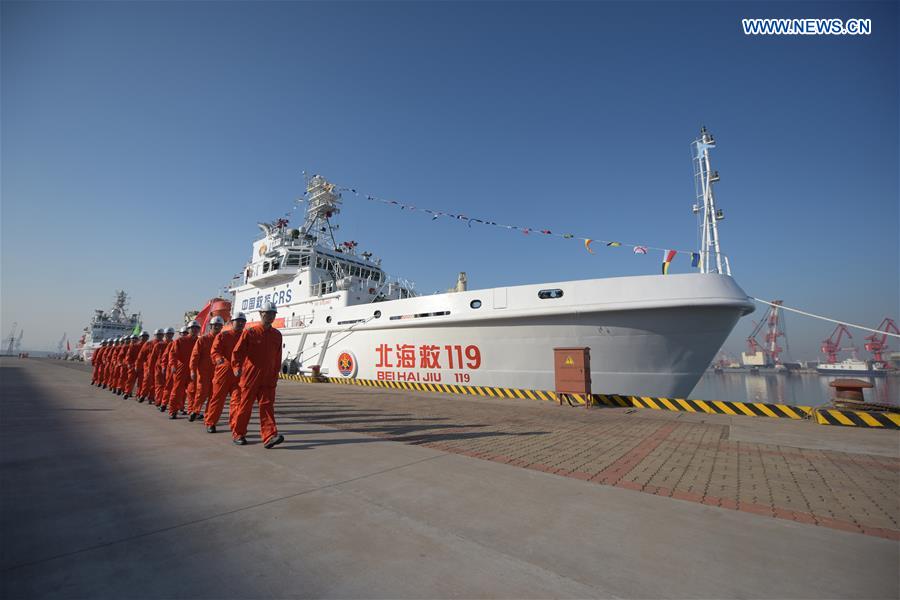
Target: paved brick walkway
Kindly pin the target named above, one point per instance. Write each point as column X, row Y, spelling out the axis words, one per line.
column 638, row 450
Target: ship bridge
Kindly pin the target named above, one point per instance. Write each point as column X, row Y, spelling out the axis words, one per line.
column 312, row 263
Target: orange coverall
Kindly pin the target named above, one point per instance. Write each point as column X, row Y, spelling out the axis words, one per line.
column 179, row 359
column 131, row 365
column 145, row 369
column 159, row 373
column 224, row 381
column 258, row 355
column 170, row 378
column 118, row 367
column 97, row 364
column 201, row 364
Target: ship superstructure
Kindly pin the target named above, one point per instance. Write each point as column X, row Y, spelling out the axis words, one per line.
column 109, row 324
column 338, row 311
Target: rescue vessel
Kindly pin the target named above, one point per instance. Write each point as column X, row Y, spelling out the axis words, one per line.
column 108, row 325
column 341, row 314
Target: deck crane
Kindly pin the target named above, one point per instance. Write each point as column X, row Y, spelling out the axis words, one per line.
column 877, row 343
column 832, row 345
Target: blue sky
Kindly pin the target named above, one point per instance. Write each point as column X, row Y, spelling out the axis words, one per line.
column 142, row 141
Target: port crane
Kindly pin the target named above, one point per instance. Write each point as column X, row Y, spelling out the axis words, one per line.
column 774, row 330
column 877, row 343
column 11, row 339
column 832, row 345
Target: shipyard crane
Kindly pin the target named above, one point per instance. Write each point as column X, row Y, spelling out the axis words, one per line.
column 832, row 345
column 19, row 340
column 11, row 339
column 877, row 343
column 775, row 331
column 753, row 345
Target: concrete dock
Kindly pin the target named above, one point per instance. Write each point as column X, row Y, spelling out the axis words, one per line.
column 394, row 494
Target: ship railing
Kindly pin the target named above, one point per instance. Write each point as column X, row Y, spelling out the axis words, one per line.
column 297, row 321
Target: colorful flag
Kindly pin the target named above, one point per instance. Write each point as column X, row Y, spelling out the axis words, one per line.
column 137, row 329
column 68, row 347
column 613, row 244
column 667, row 260
column 640, row 250
column 204, row 316
column 695, row 259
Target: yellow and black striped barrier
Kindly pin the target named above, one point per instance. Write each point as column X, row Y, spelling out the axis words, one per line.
column 851, row 418
column 465, row 390
column 722, row 407
column 858, row 418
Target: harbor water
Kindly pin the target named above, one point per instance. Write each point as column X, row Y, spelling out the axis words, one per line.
column 804, row 389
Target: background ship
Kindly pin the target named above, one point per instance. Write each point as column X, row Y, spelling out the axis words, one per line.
column 104, row 325
column 338, row 311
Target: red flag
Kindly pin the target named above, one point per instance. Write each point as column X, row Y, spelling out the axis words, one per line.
column 68, row 347
column 203, row 316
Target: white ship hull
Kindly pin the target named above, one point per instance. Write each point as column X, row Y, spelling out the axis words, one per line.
column 852, row 367
column 649, row 335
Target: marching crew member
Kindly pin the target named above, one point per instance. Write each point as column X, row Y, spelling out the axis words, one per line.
column 162, row 353
column 224, row 382
column 170, row 368
column 120, row 365
column 257, row 362
column 147, row 376
column 201, row 368
column 97, row 363
column 131, row 362
column 179, row 364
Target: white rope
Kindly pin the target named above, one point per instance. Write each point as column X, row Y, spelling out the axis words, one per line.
column 827, row 319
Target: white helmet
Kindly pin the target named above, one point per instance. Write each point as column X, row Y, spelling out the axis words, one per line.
column 269, row 307
column 145, row 333
column 170, row 330
column 217, row 321
column 192, row 324
column 183, row 329
column 239, row 317
column 159, row 331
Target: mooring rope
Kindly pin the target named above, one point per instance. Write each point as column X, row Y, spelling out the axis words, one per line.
column 808, row 314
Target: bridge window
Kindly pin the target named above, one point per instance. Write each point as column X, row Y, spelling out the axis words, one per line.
column 304, row 260
column 292, row 260
column 550, row 294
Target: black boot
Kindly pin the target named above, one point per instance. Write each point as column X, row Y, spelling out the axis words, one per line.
column 274, row 441
column 241, row 441
column 211, row 429
column 193, row 417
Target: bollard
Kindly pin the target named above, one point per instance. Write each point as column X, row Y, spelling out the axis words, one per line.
column 849, row 390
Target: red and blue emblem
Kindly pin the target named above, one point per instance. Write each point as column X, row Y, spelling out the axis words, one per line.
column 346, row 363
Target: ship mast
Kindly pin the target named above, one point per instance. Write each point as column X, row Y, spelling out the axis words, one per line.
column 322, row 203
column 711, row 259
